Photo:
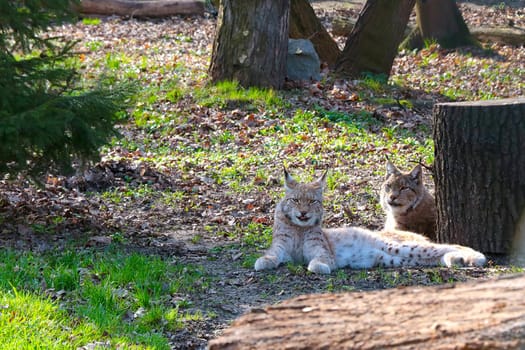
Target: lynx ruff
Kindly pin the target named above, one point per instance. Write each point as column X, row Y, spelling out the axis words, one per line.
column 298, row 237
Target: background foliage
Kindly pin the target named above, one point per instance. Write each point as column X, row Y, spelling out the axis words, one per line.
column 47, row 120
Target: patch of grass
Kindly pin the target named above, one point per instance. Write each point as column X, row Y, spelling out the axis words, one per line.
column 120, row 195
column 361, row 120
column 229, row 94
column 28, row 319
column 106, row 291
column 249, row 260
column 374, row 82
column 91, row 21
column 94, row 45
column 296, row 269
column 257, row 235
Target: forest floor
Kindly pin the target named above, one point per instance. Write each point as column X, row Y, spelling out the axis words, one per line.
column 197, row 172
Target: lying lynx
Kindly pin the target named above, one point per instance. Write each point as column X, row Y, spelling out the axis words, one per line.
column 298, row 237
column 407, row 203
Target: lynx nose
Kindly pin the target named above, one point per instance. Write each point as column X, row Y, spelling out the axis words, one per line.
column 303, row 216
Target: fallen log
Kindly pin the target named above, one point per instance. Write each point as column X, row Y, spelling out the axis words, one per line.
column 474, row 315
column 342, row 26
column 142, row 8
column 503, row 35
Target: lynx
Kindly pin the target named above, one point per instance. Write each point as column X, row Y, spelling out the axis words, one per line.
column 407, row 203
column 298, row 237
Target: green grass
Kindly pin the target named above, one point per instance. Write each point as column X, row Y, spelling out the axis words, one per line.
column 110, row 296
column 91, row 21
column 229, row 94
column 30, row 321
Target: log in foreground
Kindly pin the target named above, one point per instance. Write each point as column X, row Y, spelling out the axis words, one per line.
column 141, row 8
column 481, row 315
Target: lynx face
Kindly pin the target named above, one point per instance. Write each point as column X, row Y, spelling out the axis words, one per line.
column 401, row 191
column 303, row 202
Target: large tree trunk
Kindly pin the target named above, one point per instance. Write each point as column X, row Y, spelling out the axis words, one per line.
column 373, row 43
column 483, row 315
column 439, row 21
column 480, row 172
column 139, row 8
column 304, row 24
column 251, row 42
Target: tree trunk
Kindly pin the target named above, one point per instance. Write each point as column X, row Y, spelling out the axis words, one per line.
column 251, row 42
column 304, row 24
column 439, row 21
column 373, row 43
column 154, row 8
column 479, row 172
column 483, row 315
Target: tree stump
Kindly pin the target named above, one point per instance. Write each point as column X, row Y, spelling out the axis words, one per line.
column 251, row 43
column 480, row 173
column 482, row 315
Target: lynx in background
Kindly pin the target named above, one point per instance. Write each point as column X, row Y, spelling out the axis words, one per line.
column 407, row 203
column 298, row 237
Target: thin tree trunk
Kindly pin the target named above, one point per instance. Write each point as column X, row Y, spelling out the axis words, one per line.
column 483, row 315
column 373, row 43
column 480, row 172
column 304, row 24
column 251, row 42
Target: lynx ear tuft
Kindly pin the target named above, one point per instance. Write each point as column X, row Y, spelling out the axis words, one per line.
column 289, row 181
column 391, row 169
column 416, row 173
column 321, row 181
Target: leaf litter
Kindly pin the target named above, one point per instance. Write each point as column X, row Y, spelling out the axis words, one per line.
column 185, row 207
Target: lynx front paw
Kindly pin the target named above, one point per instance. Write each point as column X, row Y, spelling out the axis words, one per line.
column 464, row 259
column 266, row 262
column 453, row 259
column 316, row 266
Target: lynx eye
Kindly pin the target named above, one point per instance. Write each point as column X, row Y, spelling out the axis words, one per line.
column 314, row 201
column 294, row 200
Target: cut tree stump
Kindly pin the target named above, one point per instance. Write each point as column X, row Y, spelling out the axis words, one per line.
column 153, row 8
column 479, row 172
column 481, row 315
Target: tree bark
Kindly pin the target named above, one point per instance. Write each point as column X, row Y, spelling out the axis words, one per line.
column 373, row 43
column 304, row 24
column 479, row 172
column 483, row 315
column 442, row 22
column 251, row 42
column 154, row 8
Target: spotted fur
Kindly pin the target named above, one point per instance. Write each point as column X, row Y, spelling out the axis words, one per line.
column 299, row 237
